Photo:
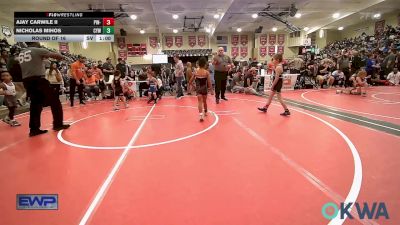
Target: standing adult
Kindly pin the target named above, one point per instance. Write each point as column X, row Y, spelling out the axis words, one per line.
column 178, row 76
column 344, row 66
column 122, row 67
column 222, row 64
column 76, row 80
column 108, row 69
column 14, row 68
column 38, row 88
column 53, row 75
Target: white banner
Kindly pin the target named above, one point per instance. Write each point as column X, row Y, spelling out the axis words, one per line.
column 129, row 86
column 289, row 80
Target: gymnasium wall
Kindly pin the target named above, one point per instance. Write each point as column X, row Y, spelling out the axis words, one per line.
column 369, row 26
column 96, row 51
column 211, row 42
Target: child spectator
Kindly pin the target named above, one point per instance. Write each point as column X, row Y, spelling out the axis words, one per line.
column 7, row 88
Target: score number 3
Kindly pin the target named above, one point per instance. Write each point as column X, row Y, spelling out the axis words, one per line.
column 108, row 21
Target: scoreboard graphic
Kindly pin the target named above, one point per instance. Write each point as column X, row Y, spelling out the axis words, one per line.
column 64, row 26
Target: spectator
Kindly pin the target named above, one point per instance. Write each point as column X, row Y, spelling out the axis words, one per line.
column 250, row 81
column 53, row 75
column 178, row 76
column 389, row 61
column 339, row 78
column 91, row 85
column 108, row 69
column 237, row 82
column 394, row 77
column 122, row 67
column 3, row 59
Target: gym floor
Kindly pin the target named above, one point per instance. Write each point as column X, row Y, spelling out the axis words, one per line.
column 158, row 165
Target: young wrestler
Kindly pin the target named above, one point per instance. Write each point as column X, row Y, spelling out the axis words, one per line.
column 203, row 84
column 277, row 85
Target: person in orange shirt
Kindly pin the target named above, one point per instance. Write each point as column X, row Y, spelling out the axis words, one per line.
column 96, row 71
column 91, row 84
column 76, row 80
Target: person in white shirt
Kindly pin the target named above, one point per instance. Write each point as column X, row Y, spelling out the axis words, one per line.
column 178, row 76
column 394, row 77
column 339, row 78
column 53, row 75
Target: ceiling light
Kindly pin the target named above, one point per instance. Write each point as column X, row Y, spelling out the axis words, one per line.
column 340, row 28
column 377, row 15
column 134, row 17
column 239, row 29
column 208, row 30
column 142, row 31
column 336, row 15
column 175, row 16
column 274, row 29
column 321, row 33
column 216, row 16
column 306, row 28
column 255, row 15
column 175, row 31
column 298, row 15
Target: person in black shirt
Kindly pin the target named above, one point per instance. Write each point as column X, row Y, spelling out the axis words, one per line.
column 100, row 65
column 108, row 69
column 121, row 66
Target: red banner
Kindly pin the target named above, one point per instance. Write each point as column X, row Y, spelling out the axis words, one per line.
column 281, row 39
column 235, row 39
column 243, row 51
column 169, row 41
column 153, row 42
column 281, row 49
column 263, row 39
column 271, row 50
column 121, row 42
column 178, row 41
column 143, row 49
column 235, row 51
column 192, row 41
column 131, row 50
column 122, row 54
column 244, row 39
column 63, row 47
column 272, row 39
column 379, row 27
column 201, row 40
column 263, row 51
column 136, row 49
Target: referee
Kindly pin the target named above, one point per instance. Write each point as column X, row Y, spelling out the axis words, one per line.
column 38, row 88
column 222, row 64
